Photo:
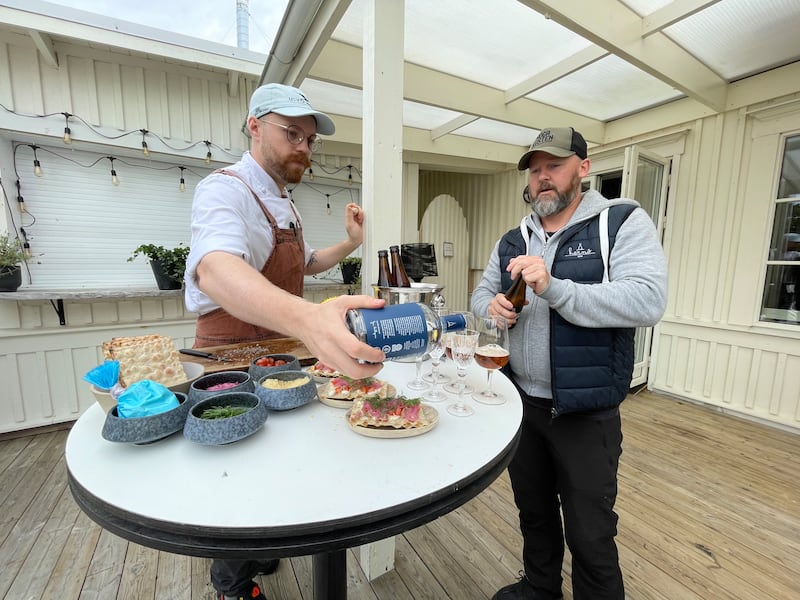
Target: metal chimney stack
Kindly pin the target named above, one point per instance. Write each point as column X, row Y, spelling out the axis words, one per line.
column 243, row 24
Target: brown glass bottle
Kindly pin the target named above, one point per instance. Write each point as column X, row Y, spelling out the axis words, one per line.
column 516, row 293
column 384, row 273
column 398, row 268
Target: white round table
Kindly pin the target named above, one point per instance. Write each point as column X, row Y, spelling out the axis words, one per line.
column 303, row 484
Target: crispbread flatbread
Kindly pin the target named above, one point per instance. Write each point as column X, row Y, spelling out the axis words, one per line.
column 152, row 357
column 331, row 390
column 398, row 413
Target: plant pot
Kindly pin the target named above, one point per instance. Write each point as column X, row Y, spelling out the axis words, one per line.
column 164, row 281
column 350, row 273
column 10, row 278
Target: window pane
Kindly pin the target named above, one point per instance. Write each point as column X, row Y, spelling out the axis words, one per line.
column 789, row 186
column 781, row 301
column 786, row 232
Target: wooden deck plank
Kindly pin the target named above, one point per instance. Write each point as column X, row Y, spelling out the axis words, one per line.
column 709, row 508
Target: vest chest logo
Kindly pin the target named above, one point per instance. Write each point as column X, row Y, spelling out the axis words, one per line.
column 579, row 252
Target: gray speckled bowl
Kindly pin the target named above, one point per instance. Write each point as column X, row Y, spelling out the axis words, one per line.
column 286, row 399
column 143, row 430
column 256, row 372
column 213, row 432
column 199, row 388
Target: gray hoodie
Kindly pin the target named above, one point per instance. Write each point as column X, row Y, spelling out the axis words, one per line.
column 635, row 295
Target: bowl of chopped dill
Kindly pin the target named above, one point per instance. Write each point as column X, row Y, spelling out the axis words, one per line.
column 225, row 418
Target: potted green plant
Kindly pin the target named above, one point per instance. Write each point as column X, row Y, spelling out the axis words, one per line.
column 351, row 269
column 11, row 255
column 168, row 264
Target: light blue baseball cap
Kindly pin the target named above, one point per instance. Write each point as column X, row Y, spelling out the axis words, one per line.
column 287, row 101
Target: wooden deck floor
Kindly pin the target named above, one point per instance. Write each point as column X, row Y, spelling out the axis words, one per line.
column 709, row 510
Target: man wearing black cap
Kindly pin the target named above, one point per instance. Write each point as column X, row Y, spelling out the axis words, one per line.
column 594, row 270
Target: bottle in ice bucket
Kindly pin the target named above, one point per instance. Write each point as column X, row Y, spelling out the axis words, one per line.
column 384, row 274
column 398, row 268
column 403, row 330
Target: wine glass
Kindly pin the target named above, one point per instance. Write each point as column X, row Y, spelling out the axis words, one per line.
column 418, row 384
column 463, row 346
column 454, row 387
column 436, row 352
column 491, row 354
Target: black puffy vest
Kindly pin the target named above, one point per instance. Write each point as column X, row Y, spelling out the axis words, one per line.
column 590, row 368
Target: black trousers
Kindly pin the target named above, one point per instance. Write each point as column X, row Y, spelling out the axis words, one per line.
column 232, row 577
column 569, row 463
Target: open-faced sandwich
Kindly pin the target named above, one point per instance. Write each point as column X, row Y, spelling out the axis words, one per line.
column 397, row 412
column 347, row 389
column 320, row 370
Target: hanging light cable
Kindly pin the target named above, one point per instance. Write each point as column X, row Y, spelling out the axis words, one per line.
column 208, row 153
column 145, row 149
column 67, row 130
column 114, row 178
column 20, row 199
column 37, row 166
column 182, row 186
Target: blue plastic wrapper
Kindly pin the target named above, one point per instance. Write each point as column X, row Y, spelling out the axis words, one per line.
column 106, row 377
column 144, row 399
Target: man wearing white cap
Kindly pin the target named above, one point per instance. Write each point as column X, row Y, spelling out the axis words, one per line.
column 244, row 274
column 594, row 270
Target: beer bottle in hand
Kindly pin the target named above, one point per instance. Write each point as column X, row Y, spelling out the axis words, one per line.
column 516, row 293
column 384, row 274
column 398, row 268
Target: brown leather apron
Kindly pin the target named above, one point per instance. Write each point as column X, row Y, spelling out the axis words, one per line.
column 284, row 268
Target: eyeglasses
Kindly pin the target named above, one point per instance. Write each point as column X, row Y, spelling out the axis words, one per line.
column 296, row 135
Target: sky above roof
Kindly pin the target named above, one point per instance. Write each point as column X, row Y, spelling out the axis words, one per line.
column 212, row 20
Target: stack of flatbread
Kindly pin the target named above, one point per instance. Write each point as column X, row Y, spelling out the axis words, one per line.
column 152, row 357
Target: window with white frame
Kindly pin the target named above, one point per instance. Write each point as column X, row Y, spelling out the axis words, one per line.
column 781, row 299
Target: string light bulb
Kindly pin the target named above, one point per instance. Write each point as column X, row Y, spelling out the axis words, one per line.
column 182, row 186
column 310, row 174
column 208, row 153
column 328, row 202
column 37, row 166
column 67, row 130
column 145, row 149
column 26, row 250
column 114, row 178
column 350, row 175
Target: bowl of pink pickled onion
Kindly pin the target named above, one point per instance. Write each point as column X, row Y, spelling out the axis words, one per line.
column 223, row 382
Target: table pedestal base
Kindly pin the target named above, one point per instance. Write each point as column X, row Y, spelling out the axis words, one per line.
column 330, row 575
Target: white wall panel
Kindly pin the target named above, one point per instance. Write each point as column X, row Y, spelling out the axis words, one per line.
column 444, row 221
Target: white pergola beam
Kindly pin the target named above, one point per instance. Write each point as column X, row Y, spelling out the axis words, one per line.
column 452, row 125
column 670, row 14
column 45, row 47
column 610, row 24
column 569, row 65
column 338, row 64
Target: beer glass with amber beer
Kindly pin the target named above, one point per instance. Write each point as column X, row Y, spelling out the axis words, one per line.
column 491, row 354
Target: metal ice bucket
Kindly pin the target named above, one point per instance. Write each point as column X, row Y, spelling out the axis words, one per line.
column 425, row 293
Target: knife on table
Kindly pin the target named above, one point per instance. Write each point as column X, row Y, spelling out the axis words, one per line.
column 192, row 352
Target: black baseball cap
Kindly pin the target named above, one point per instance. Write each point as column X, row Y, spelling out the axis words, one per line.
column 558, row 141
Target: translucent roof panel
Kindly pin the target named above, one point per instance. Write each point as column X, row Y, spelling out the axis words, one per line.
column 737, row 38
column 487, row 129
column 497, row 43
column 605, row 90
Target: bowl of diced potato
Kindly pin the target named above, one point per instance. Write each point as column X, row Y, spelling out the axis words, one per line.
column 285, row 390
